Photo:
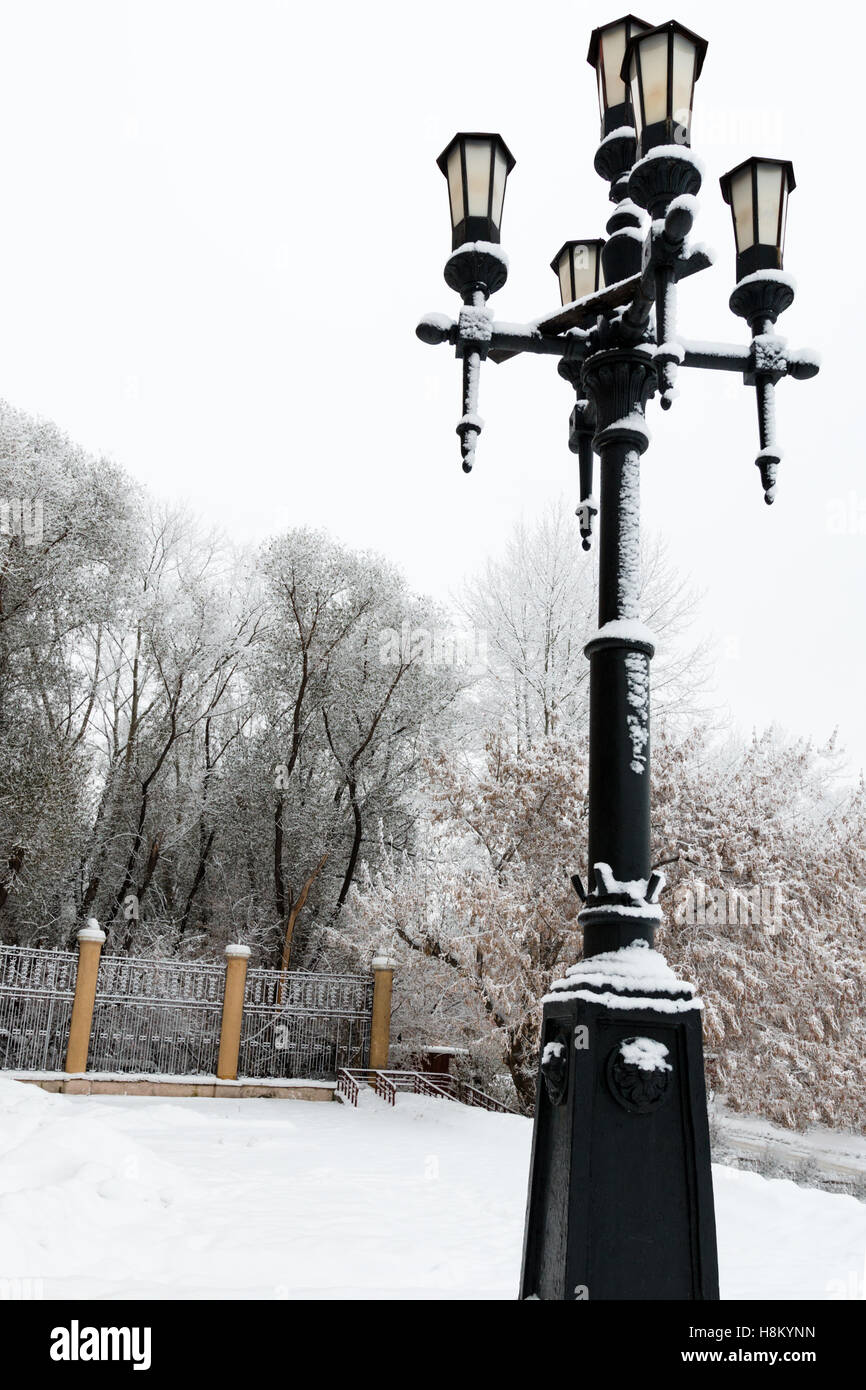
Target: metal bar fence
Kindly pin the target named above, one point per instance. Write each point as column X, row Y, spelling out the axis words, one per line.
column 163, row 1017
column 304, row 1025
column 156, row 1016
column 37, row 988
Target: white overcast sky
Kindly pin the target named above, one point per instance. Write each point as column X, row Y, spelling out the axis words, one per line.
column 222, row 220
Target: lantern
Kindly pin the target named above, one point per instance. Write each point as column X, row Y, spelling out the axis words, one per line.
column 757, row 191
column 577, row 266
column 476, row 167
column 661, row 67
column 606, row 53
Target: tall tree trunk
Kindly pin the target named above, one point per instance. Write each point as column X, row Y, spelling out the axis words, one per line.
column 198, row 880
column 280, row 895
column 357, row 836
column 296, row 910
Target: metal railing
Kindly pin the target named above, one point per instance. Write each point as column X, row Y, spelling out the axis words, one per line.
column 156, row 1016
column 37, row 988
column 163, row 1017
column 387, row 1084
column 309, row 1025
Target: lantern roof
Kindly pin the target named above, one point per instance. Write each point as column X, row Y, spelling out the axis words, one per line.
column 785, row 164
column 672, row 26
column 442, row 161
column 567, row 246
column 595, row 37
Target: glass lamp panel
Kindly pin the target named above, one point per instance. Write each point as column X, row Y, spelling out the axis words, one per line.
column 455, row 186
column 477, row 177
column 743, row 209
column 634, row 90
column 610, row 65
column 653, row 60
column 770, row 195
column 584, row 261
column 565, row 277
column 499, row 176
column 683, row 84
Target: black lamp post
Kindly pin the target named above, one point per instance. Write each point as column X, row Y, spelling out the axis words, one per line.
column 620, row 1195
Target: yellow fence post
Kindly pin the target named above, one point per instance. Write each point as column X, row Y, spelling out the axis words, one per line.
column 380, row 1026
column 237, row 959
column 90, row 940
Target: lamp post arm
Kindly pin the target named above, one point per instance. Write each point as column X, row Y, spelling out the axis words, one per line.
column 801, row 364
column 474, row 337
column 715, row 357
column 506, row 339
column 510, row 339
column 764, row 363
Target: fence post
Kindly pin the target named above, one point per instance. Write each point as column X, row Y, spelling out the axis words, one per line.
column 380, row 1025
column 90, row 940
column 237, row 959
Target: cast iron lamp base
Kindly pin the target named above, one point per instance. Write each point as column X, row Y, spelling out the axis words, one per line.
column 620, row 1190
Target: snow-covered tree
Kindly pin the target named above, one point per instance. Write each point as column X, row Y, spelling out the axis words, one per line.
column 489, row 895
column 537, row 607
column 766, row 859
column 346, row 711
column 68, row 534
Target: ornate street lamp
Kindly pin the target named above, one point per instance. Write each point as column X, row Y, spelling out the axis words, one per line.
column 620, row 1194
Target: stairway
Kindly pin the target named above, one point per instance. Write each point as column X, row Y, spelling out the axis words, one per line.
column 351, row 1080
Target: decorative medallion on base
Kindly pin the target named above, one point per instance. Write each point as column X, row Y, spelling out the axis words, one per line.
column 638, row 1075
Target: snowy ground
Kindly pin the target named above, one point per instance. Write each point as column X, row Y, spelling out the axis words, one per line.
column 122, row 1197
column 829, row 1158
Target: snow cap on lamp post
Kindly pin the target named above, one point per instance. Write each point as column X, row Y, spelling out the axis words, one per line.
column 757, row 192
column 661, row 67
column 476, row 166
column 607, row 46
column 577, row 266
